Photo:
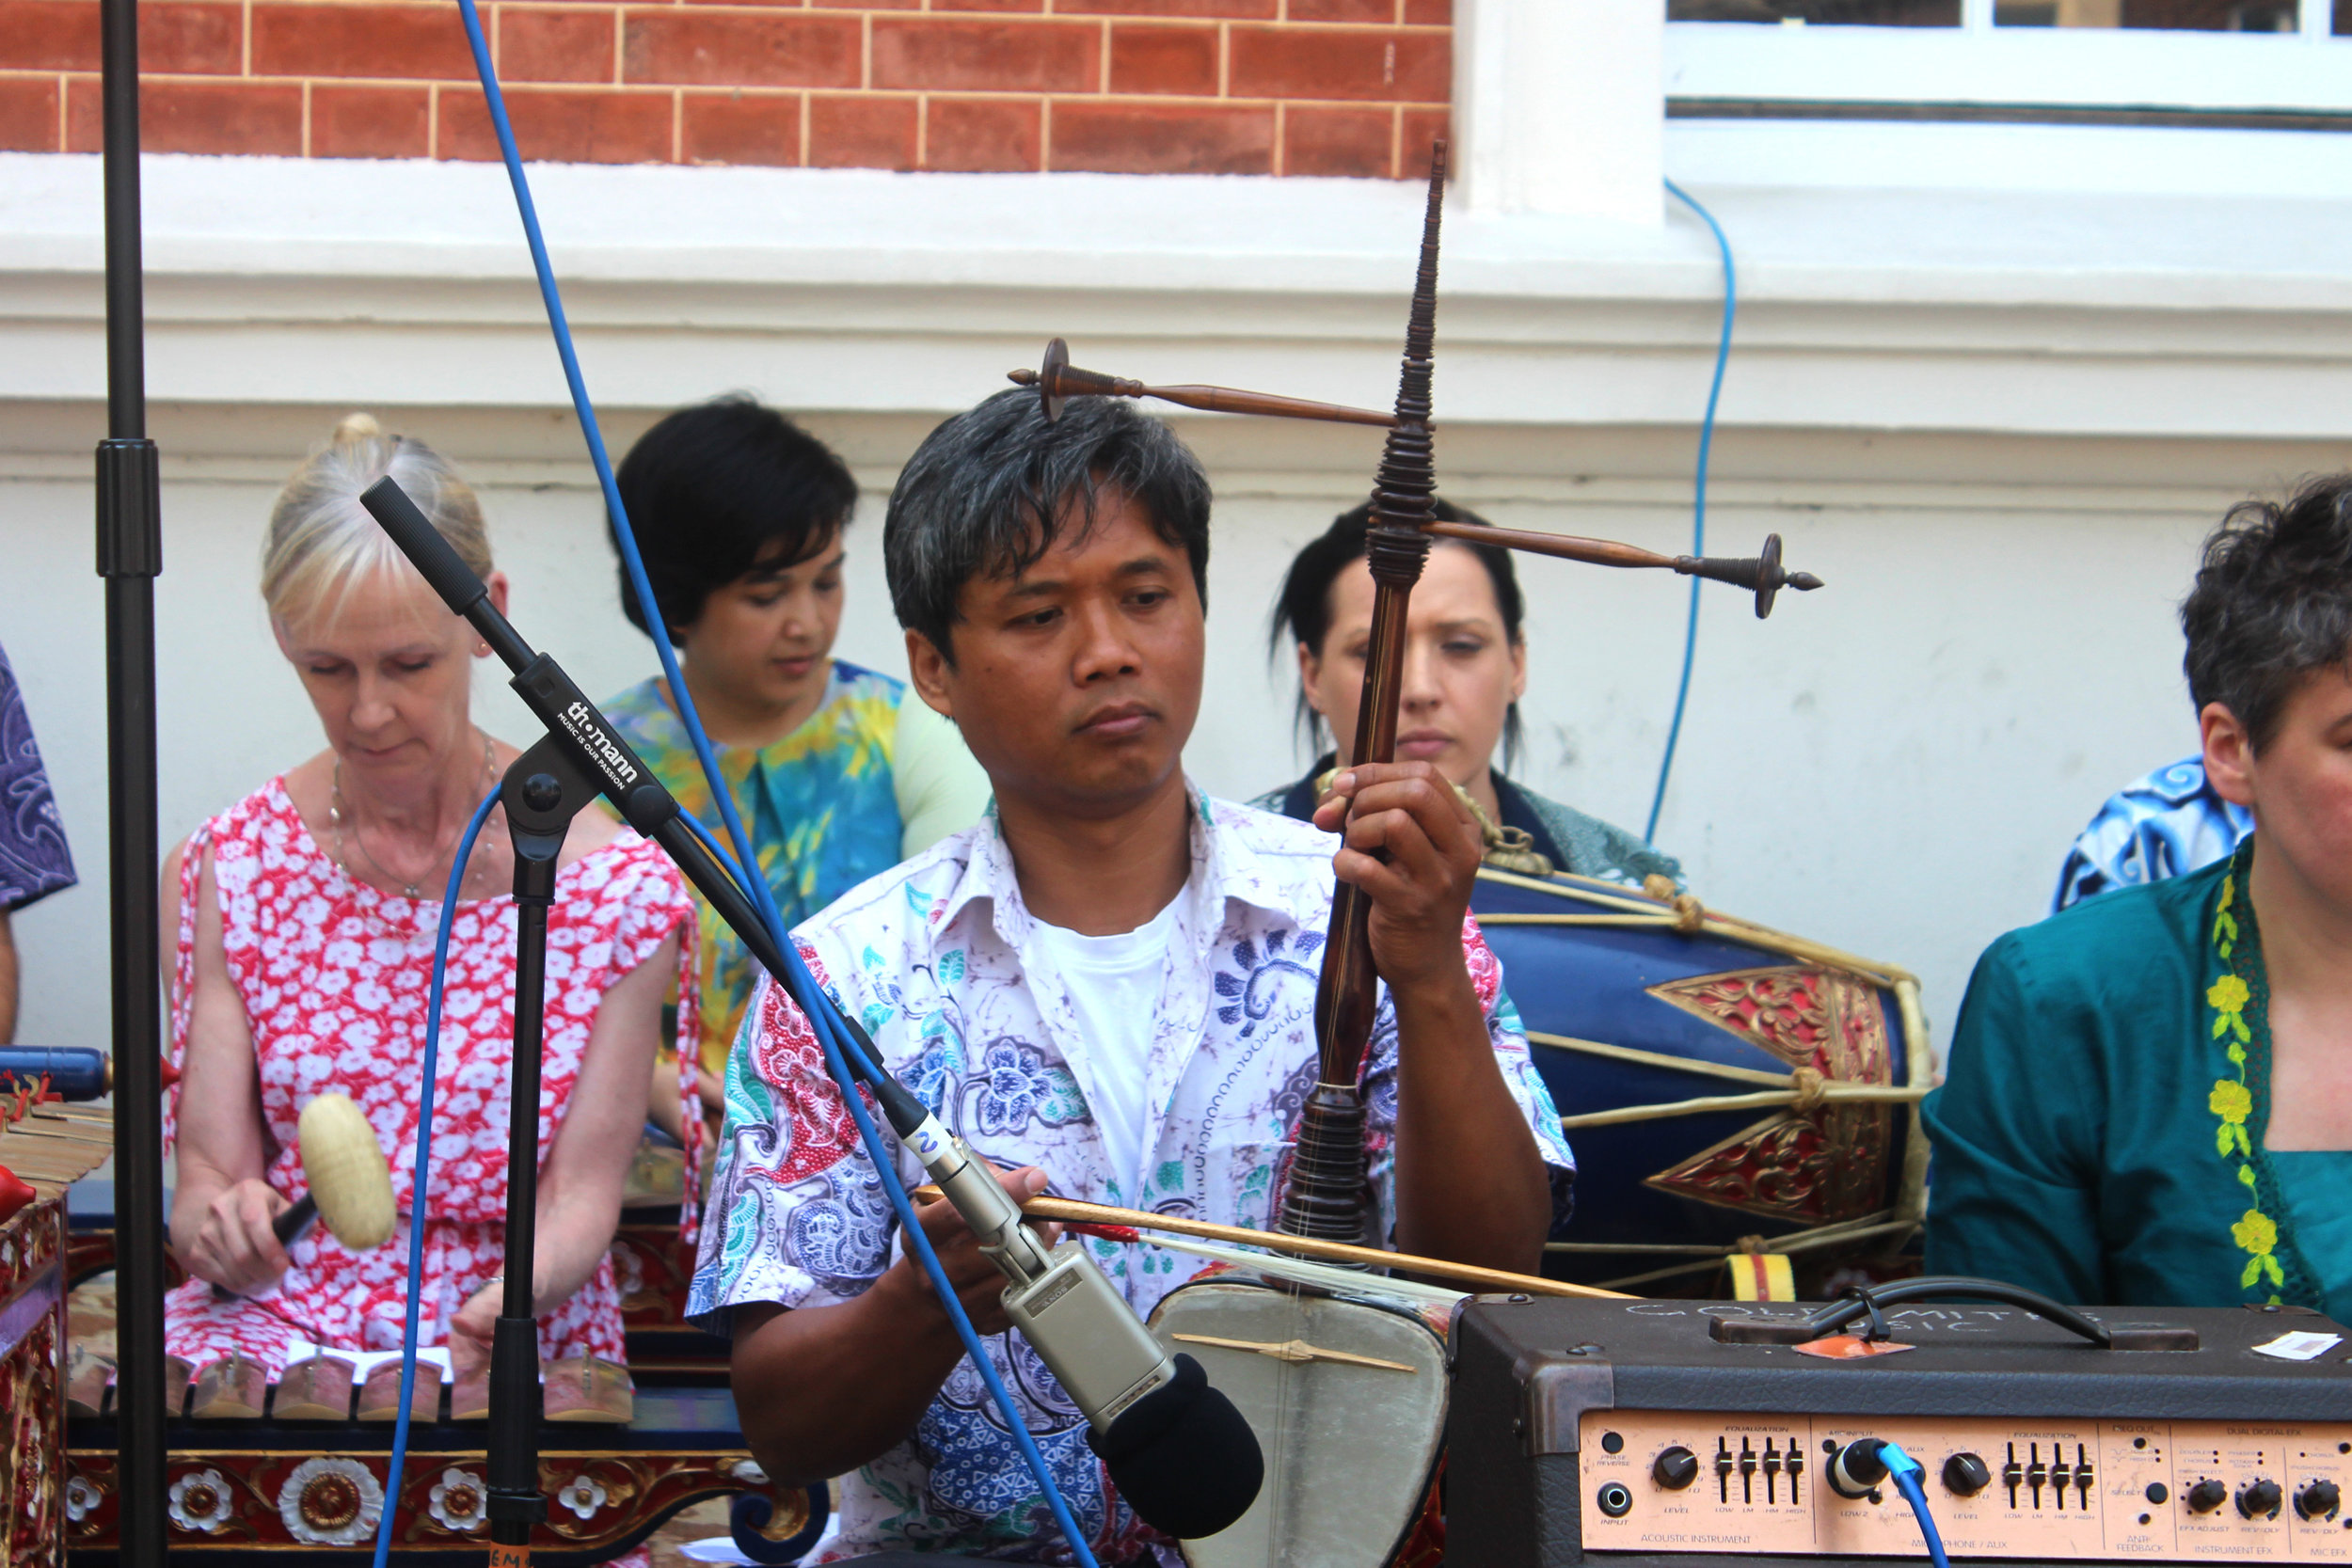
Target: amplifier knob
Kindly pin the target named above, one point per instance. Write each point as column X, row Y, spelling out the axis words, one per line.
column 1966, row 1474
column 2260, row 1500
column 2319, row 1500
column 2207, row 1496
column 1675, row 1469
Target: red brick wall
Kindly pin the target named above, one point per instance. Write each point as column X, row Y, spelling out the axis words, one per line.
column 1219, row 87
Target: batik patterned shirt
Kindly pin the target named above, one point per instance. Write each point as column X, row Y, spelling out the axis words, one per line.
column 2169, row 824
column 34, row 860
column 821, row 806
column 937, row 958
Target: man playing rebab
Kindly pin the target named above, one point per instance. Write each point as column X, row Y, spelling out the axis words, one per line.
column 1111, row 979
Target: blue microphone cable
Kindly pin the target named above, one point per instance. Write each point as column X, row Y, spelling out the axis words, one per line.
column 417, row 1175
column 1909, row 1477
column 1698, row 501
column 832, row 1034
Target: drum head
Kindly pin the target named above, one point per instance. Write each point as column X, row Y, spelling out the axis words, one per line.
column 1349, row 1448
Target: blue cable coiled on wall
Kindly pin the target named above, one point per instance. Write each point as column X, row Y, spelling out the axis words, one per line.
column 832, row 1034
column 1698, row 502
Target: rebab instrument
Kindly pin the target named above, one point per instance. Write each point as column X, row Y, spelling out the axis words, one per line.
column 1358, row 1364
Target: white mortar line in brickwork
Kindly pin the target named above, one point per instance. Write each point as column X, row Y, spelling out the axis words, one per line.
column 1279, row 115
column 1045, row 135
column 433, row 119
column 305, row 119
column 804, row 150
column 922, row 130
column 620, row 42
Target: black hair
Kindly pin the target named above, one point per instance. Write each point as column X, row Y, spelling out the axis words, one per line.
column 983, row 497
column 720, row 490
column 1302, row 611
column 2273, row 603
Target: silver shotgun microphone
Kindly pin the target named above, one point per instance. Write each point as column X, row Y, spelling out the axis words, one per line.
column 1177, row 1449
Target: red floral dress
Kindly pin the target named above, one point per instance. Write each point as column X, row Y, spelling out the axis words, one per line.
column 335, row 977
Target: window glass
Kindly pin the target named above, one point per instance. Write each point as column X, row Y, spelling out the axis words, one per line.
column 1827, row 13
column 2198, row 16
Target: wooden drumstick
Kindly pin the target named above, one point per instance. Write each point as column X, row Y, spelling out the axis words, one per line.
column 1493, row 1281
column 351, row 1185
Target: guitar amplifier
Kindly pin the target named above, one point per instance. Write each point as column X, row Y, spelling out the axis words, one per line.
column 1644, row 1433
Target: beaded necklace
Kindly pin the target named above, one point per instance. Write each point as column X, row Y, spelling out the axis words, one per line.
column 339, row 813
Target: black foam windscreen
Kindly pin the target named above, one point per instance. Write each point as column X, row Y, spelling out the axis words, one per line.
column 1183, row 1457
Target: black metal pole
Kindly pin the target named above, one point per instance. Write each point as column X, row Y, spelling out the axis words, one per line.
column 544, row 789
column 130, row 556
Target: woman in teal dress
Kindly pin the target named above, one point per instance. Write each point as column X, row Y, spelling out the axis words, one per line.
column 838, row 772
column 2149, row 1099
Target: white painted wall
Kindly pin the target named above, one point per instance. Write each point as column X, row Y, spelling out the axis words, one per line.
column 1992, row 383
column 1894, row 764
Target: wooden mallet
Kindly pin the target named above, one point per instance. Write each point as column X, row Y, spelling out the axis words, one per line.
column 350, row 1183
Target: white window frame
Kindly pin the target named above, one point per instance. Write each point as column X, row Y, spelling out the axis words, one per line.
column 1980, row 64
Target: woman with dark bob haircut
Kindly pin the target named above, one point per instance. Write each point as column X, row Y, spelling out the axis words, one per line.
column 838, row 772
column 1465, row 670
column 2150, row 1095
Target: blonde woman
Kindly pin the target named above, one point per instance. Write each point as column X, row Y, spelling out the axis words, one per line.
column 302, row 921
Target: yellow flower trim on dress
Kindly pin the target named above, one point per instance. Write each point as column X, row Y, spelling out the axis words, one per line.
column 2255, row 1233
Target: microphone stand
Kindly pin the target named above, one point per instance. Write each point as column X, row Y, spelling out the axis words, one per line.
column 541, row 792
column 130, row 557
column 578, row 758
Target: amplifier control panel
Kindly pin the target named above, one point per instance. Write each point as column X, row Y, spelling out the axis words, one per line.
column 2054, row 1490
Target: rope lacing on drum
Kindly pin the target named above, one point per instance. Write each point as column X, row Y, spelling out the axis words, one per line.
column 1690, row 915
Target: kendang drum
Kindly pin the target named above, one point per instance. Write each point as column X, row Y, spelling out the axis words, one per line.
column 1728, row 1090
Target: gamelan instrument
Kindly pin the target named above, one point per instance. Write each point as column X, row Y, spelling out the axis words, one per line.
column 1731, row 1092
column 44, row 1149
column 1689, row 1433
column 1377, row 1375
column 306, row 1471
column 257, row 1466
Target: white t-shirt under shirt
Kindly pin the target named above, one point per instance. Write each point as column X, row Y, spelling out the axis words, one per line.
column 1114, row 985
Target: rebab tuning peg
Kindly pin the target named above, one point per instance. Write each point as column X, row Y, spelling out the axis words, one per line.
column 1057, row 381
